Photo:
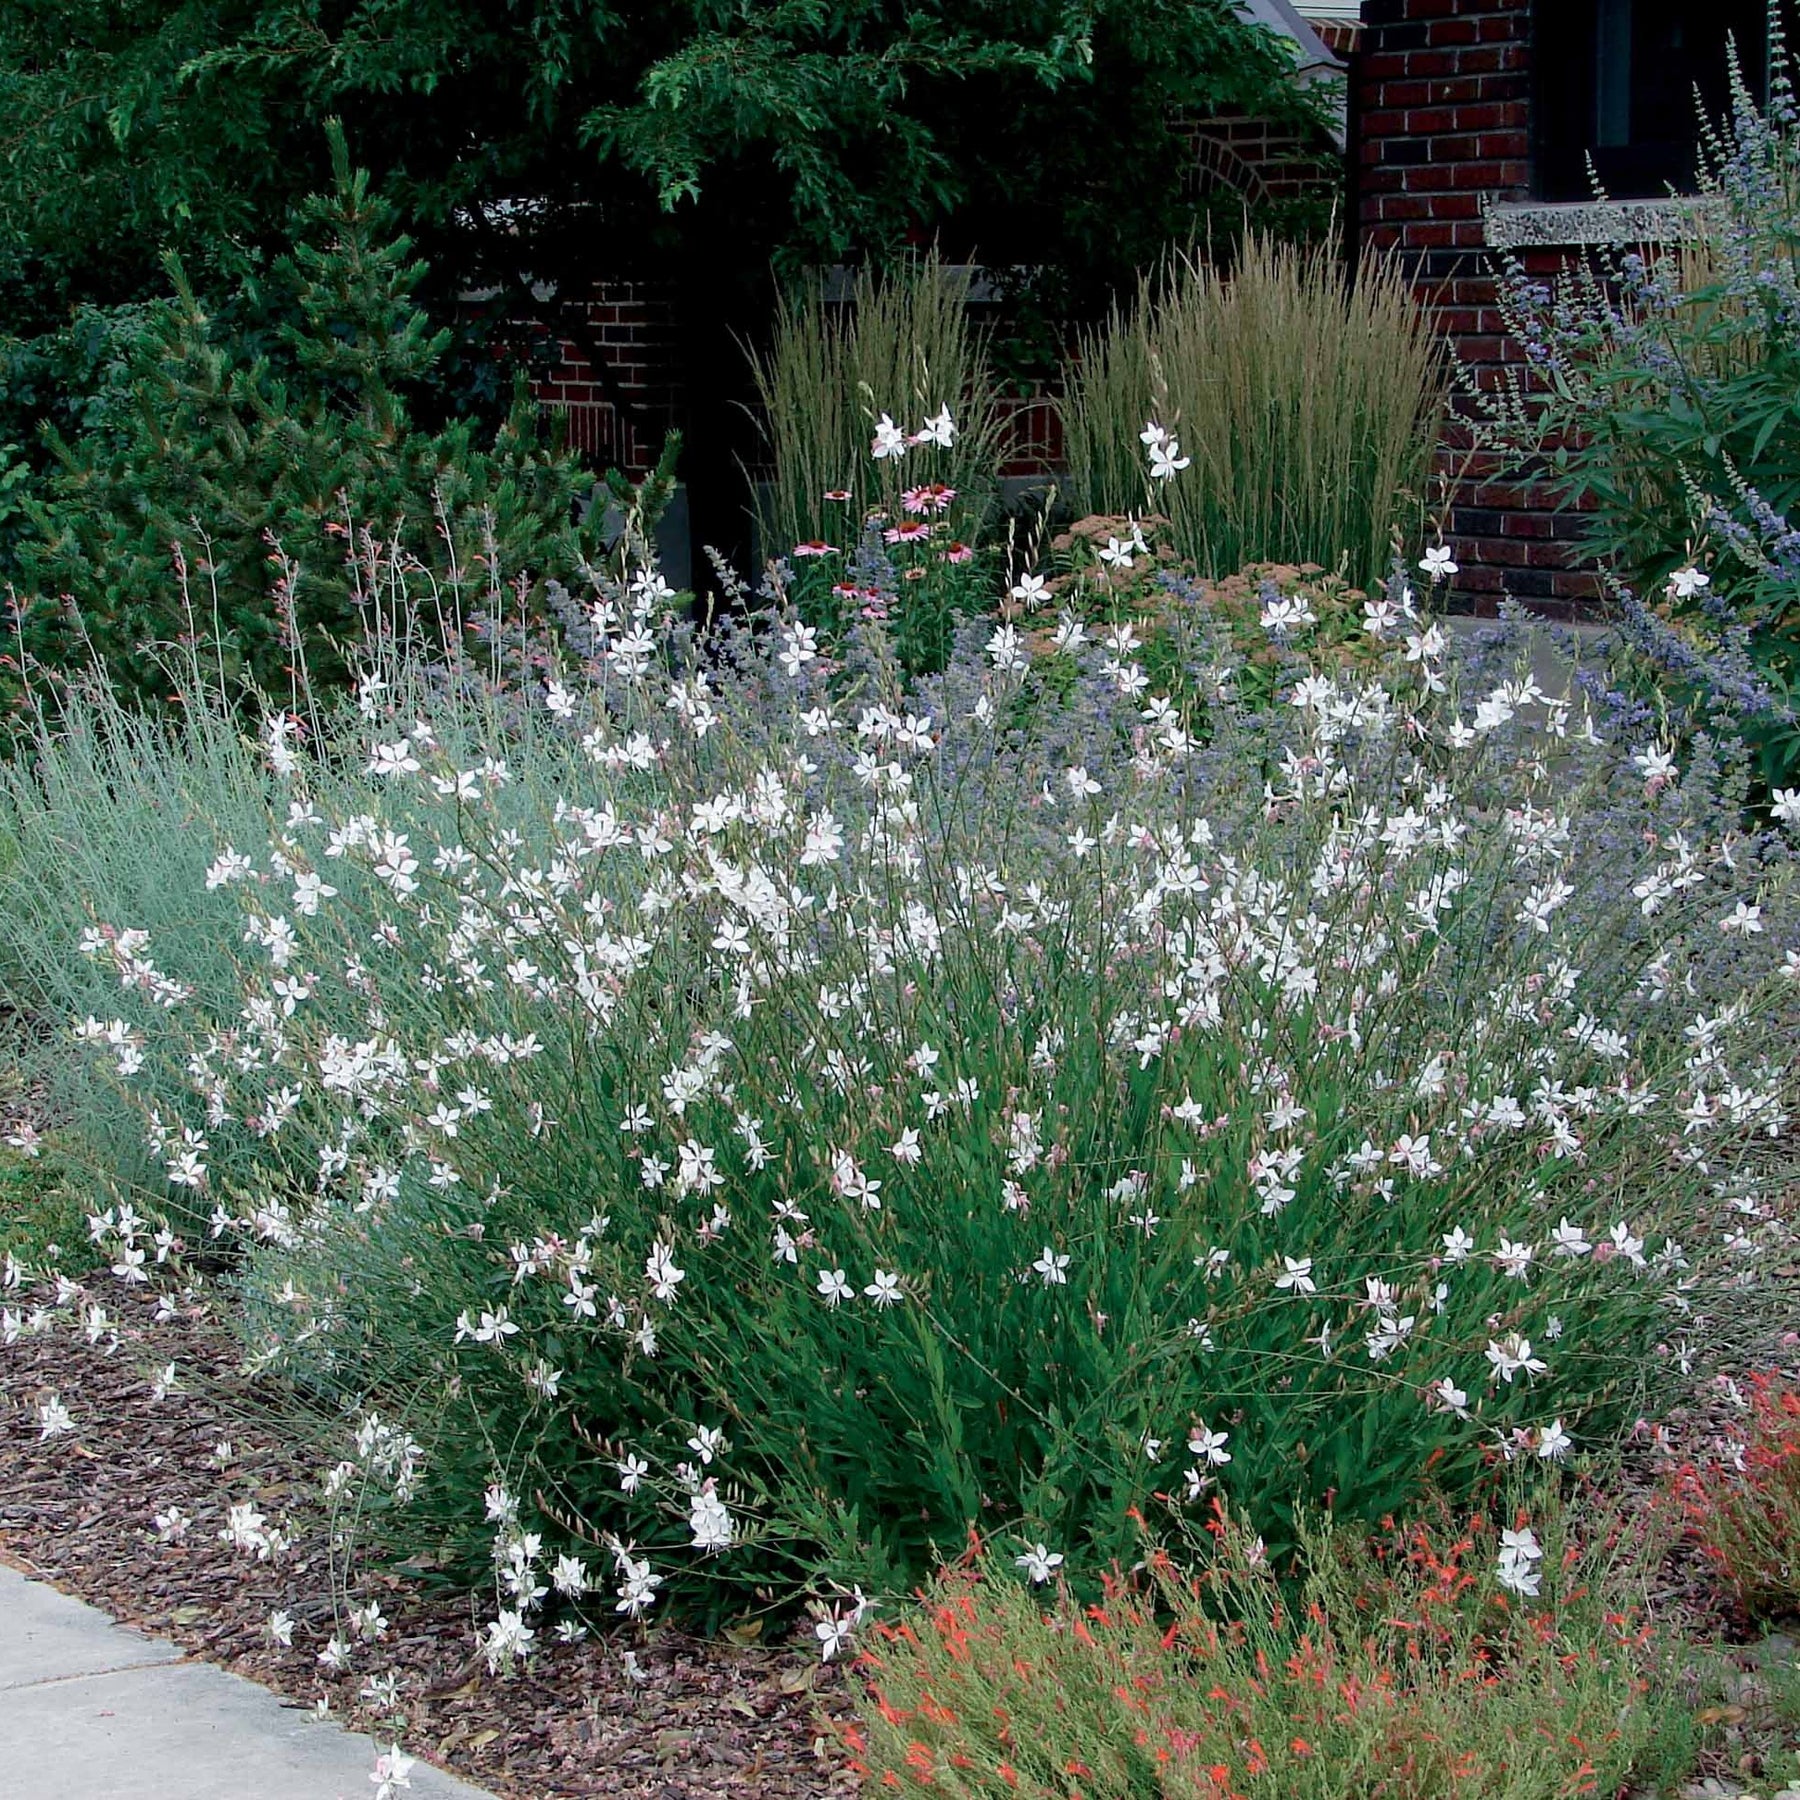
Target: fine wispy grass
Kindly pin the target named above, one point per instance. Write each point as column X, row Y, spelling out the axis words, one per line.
column 1309, row 406
column 902, row 343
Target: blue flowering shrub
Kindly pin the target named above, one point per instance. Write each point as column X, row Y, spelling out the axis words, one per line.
column 1661, row 398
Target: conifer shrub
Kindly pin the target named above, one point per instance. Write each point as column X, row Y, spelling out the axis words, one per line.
column 216, row 508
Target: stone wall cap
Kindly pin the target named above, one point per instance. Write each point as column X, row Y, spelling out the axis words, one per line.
column 1564, row 224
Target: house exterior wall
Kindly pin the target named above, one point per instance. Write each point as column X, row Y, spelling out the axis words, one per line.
column 629, row 322
column 1440, row 114
column 1442, row 107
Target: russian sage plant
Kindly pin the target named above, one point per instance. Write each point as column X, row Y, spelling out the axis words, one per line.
column 1658, row 398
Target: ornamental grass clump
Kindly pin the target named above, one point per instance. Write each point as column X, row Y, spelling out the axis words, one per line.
column 745, row 1118
column 1410, row 1666
column 1308, row 404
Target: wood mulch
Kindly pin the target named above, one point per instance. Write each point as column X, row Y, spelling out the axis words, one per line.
column 695, row 1721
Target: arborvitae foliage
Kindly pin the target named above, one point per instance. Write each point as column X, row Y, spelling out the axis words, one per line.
column 280, row 440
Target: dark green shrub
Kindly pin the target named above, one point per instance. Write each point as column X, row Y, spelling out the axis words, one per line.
column 216, row 508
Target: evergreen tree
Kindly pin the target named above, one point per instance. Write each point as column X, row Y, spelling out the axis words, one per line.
column 227, row 454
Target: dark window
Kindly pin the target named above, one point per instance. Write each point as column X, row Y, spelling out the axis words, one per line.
column 1615, row 80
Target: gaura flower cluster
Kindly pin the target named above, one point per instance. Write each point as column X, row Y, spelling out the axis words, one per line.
column 812, row 1110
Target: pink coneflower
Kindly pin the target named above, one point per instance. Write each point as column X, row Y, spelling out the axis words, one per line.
column 837, row 493
column 816, row 547
column 912, row 532
column 932, row 497
column 959, row 553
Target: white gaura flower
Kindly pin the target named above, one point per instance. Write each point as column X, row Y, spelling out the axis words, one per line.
column 834, row 1289
column 1626, row 1244
column 569, row 1575
column 637, row 1584
column 495, row 1327
column 1512, row 1355
column 393, row 1769
column 1519, row 1565
column 1445, row 1393
column 884, row 1290
column 1166, row 460
column 54, row 1419
column 1569, row 1240
column 1006, row 649
column 389, row 760
column 1553, row 1442
column 834, row 1634
column 710, row 1520
column 1438, row 563
column 1296, row 1276
column 939, row 429
column 1039, row 1562
column 890, row 440
column 707, row 1442
column 1209, row 1445
column 1457, row 1245
column 1744, row 920
column 1051, row 1268
column 1514, row 1259
column 660, row 1271
column 508, row 1638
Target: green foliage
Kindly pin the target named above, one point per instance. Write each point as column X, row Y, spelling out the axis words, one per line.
column 689, row 141
column 42, row 1216
column 557, row 993
column 113, row 813
column 1744, row 1508
column 1308, row 405
column 1206, row 640
column 1399, row 1668
column 214, row 509
column 901, row 343
column 1661, row 403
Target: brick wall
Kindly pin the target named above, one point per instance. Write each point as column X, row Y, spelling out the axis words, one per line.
column 1255, row 159
column 628, row 322
column 1443, row 110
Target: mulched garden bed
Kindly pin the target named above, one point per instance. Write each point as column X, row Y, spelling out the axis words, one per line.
column 696, row 1721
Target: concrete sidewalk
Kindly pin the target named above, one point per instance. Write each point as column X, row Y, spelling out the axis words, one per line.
column 92, row 1711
